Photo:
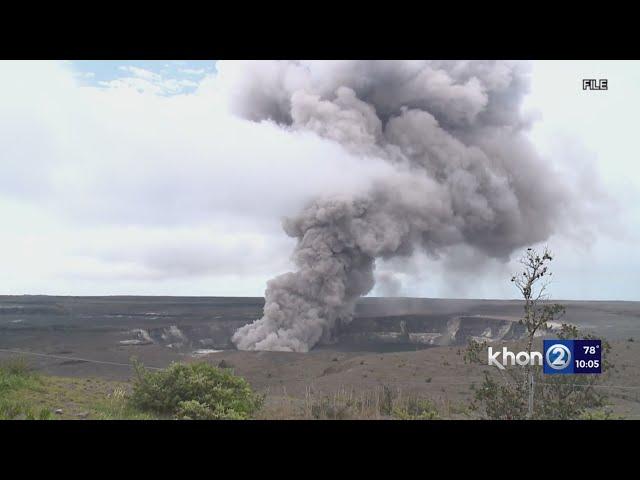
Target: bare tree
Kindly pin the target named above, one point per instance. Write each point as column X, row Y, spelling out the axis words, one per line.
column 532, row 283
column 509, row 394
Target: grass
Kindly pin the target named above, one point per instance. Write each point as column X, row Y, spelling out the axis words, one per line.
column 118, row 407
column 416, row 408
column 600, row 414
column 16, row 378
column 200, row 390
column 28, row 395
column 207, row 392
column 383, row 402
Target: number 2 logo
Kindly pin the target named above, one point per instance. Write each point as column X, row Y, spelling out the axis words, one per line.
column 558, row 356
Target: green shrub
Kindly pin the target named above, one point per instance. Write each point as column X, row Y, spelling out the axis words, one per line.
column 196, row 391
column 415, row 408
column 194, row 410
column 600, row 414
column 386, row 401
column 333, row 409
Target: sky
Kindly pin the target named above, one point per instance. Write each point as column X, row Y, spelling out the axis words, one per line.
column 131, row 177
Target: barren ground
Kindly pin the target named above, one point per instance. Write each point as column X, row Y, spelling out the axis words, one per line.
column 69, row 335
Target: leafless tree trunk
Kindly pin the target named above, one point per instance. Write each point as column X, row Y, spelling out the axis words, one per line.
column 532, row 284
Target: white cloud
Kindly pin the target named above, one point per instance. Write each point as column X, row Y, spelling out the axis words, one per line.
column 112, row 188
column 126, row 190
column 140, row 72
column 193, row 71
column 143, row 80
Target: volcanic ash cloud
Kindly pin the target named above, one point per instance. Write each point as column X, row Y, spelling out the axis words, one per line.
column 463, row 173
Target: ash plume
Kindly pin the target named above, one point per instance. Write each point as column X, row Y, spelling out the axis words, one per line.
column 388, row 285
column 464, row 173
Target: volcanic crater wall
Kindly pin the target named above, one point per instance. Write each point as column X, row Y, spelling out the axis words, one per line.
column 362, row 332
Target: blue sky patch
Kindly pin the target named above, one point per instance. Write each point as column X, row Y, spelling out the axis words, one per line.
column 164, row 77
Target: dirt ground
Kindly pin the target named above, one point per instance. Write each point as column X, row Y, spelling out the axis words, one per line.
column 79, row 341
column 294, row 381
column 438, row 373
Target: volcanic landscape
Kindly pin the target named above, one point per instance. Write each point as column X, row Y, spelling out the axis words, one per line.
column 409, row 344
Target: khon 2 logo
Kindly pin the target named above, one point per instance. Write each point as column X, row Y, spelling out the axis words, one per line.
column 572, row 356
column 559, row 357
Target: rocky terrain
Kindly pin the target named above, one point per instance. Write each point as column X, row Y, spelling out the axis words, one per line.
column 409, row 345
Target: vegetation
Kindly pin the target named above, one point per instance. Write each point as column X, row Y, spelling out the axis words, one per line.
column 525, row 393
column 415, row 408
column 27, row 395
column 196, row 391
column 117, row 406
column 16, row 377
column 381, row 403
column 202, row 391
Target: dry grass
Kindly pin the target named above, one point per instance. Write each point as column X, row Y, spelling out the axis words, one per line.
column 380, row 403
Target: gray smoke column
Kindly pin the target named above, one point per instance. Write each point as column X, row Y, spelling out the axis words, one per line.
column 464, row 173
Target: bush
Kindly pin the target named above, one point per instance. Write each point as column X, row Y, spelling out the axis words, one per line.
column 386, row 402
column 602, row 414
column 333, row 409
column 415, row 408
column 196, row 391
